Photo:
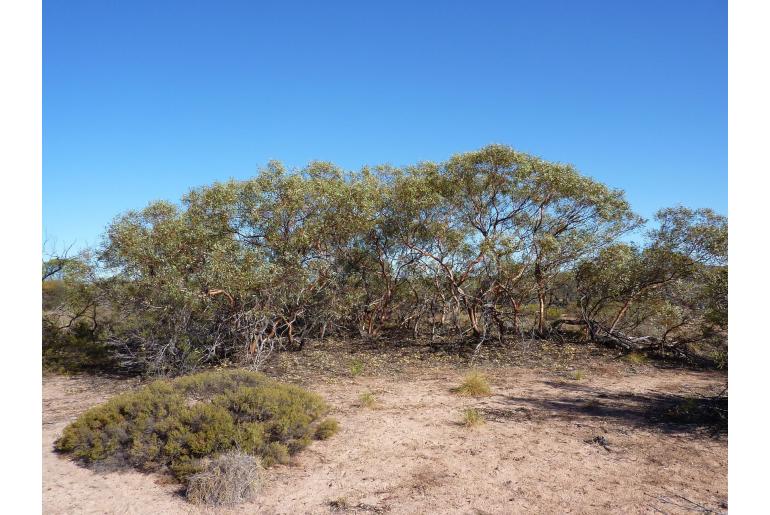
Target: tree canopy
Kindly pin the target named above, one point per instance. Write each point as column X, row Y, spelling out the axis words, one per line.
column 479, row 246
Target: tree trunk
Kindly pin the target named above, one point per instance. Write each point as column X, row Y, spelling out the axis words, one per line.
column 474, row 320
column 541, row 312
column 540, row 281
column 620, row 315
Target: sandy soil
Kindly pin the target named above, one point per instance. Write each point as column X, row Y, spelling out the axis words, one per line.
column 411, row 455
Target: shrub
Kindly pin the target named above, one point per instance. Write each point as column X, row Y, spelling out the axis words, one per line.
column 578, row 375
column 275, row 452
column 475, row 384
column 74, row 350
column 327, row 429
column 176, row 424
column 472, row 418
column 367, row 400
column 356, row 367
column 229, row 479
column 719, row 358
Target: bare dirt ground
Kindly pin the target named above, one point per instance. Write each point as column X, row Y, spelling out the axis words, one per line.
column 410, row 454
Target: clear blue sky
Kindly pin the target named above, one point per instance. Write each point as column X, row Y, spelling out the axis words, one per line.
column 143, row 100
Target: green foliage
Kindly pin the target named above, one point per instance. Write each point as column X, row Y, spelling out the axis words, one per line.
column 356, row 367
column 476, row 246
column 720, row 359
column 326, row 429
column 578, row 375
column 472, row 418
column 177, row 423
column 275, row 453
column 676, row 284
column 474, row 384
column 716, row 297
column 75, row 324
column 75, row 349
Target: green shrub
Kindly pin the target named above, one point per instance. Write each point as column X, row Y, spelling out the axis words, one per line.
column 578, row 375
column 327, row 429
column 475, row 384
column 472, row 418
column 356, row 367
column 720, row 359
column 175, row 424
column 275, row 452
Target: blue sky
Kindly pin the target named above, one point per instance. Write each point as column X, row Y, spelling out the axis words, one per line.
column 143, row 100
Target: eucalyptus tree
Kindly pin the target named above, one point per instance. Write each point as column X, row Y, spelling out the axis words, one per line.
column 239, row 268
column 680, row 275
column 572, row 217
column 487, row 219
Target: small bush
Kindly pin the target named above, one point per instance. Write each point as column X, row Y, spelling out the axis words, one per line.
column 74, row 350
column 472, row 418
column 178, row 424
column 229, row 479
column 636, row 358
column 720, row 359
column 327, row 429
column 578, row 375
column 475, row 384
column 367, row 400
column 275, row 452
column 356, row 367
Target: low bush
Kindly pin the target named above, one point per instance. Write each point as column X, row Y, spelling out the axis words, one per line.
column 176, row 424
column 472, row 418
column 327, row 429
column 229, row 479
column 475, row 384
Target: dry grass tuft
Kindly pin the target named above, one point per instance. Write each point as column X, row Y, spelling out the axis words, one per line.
column 367, row 400
column 475, row 384
column 229, row 479
column 473, row 418
column 636, row 358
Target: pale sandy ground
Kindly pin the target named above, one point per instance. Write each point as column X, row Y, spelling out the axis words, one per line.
column 410, row 455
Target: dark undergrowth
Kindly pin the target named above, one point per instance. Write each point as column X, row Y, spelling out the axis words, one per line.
column 704, row 413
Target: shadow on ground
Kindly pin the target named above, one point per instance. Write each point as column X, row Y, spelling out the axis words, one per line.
column 654, row 410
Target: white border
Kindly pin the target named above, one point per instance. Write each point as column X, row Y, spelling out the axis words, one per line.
column 749, row 142
column 21, row 215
